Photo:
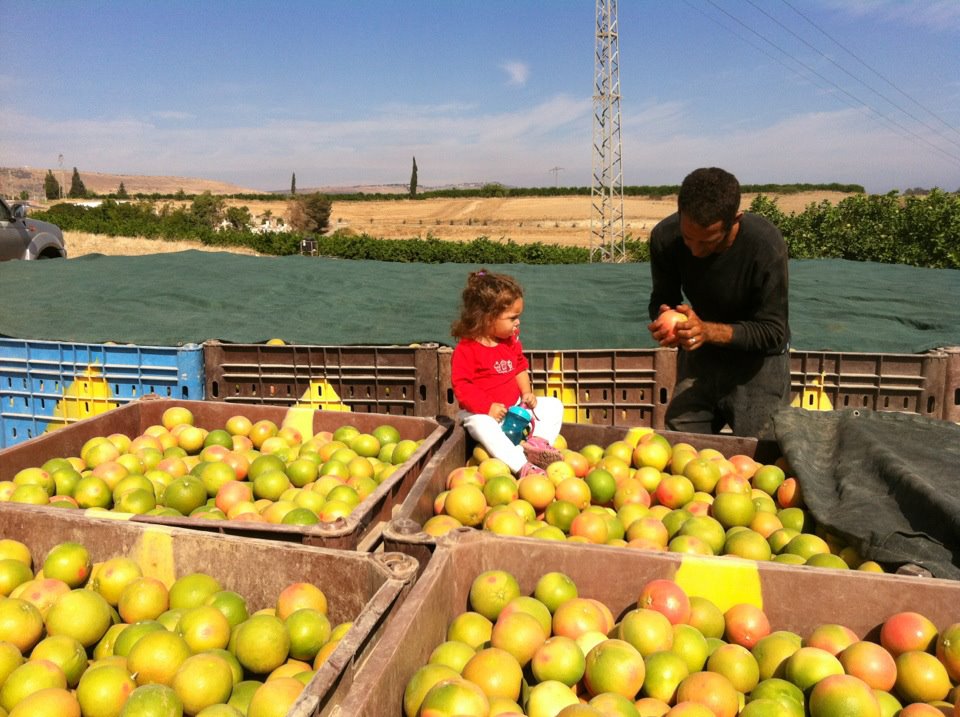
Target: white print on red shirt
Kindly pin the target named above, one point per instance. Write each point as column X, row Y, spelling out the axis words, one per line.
column 503, row 366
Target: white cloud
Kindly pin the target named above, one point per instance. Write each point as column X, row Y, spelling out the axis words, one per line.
column 174, row 115
column 457, row 143
column 452, row 143
column 517, row 72
column 845, row 146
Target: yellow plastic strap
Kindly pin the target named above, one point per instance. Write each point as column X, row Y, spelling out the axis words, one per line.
column 726, row 582
column 154, row 553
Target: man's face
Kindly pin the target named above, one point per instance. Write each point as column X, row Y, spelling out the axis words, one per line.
column 712, row 239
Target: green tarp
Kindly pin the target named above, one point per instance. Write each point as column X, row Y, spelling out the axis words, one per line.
column 886, row 482
column 190, row 297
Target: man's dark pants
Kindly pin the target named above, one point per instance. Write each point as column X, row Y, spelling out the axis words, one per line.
column 717, row 387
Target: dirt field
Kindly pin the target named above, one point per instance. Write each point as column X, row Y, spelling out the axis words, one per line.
column 551, row 220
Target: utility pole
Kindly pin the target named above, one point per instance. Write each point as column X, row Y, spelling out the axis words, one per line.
column 60, row 162
column 556, row 175
column 606, row 220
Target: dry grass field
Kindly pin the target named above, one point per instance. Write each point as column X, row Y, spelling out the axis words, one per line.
column 550, row 220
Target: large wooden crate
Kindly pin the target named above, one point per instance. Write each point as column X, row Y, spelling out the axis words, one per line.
column 360, row 529
column 405, row 532
column 362, row 588
column 793, row 598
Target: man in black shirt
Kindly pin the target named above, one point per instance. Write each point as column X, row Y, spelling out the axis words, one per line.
column 733, row 366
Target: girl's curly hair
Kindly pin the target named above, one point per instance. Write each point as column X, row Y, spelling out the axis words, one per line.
column 485, row 297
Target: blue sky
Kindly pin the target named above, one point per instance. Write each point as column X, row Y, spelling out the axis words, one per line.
column 250, row 91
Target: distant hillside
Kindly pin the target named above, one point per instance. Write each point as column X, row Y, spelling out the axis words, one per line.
column 14, row 180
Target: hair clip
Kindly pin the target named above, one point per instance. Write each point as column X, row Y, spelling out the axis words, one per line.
column 481, row 273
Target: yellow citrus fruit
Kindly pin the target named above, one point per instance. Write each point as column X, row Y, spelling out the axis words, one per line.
column 491, row 591
column 104, row 689
column 48, row 702
column 261, row 644
column 201, row 681
column 13, row 573
column 144, row 598
column 192, row 590
column 421, row 682
column 242, row 693
column 152, row 701
column 231, row 604
column 553, row 589
column 309, row 630
column 82, row 614
column 647, row 630
column 28, row 678
column 275, row 698
column 156, row 657
column 69, row 562
column 614, row 666
column 518, row 633
column 558, row 658
column 325, row 653
column 665, row 670
column 64, row 651
column 130, row 634
column 297, row 596
column 204, row 628
column 470, row 627
column 691, row 645
column 451, row 653
column 737, row 664
column 15, row 550
column 467, row 504
column 10, row 659
column 455, row 697
column 113, row 576
column 496, row 672
column 185, row 494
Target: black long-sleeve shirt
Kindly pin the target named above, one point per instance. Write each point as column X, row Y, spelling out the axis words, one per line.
column 745, row 286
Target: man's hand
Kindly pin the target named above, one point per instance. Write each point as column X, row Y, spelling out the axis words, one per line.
column 694, row 333
column 690, row 333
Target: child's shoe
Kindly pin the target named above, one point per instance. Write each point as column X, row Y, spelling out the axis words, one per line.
column 540, row 453
column 529, row 469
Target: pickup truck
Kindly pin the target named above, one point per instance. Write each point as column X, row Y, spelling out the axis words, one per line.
column 25, row 238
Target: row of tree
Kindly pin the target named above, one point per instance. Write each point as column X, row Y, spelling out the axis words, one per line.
column 306, row 214
column 78, row 190
column 892, row 229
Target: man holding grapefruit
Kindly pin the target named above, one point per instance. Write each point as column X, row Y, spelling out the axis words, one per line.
column 725, row 272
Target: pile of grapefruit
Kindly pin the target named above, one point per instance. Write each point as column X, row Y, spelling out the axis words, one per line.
column 81, row 639
column 245, row 470
column 644, row 492
column 557, row 654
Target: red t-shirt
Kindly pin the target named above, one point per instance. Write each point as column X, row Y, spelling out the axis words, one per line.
column 484, row 375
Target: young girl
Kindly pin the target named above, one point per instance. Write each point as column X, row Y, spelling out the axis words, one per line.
column 491, row 374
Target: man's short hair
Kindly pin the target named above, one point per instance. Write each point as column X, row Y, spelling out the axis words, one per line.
column 709, row 195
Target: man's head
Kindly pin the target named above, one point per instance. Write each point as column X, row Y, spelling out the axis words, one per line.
column 709, row 207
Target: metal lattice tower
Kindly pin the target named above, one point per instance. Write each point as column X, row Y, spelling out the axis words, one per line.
column 606, row 219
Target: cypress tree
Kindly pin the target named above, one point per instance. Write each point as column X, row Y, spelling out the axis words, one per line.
column 51, row 187
column 77, row 188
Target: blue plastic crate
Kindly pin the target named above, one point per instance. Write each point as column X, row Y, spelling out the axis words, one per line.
column 45, row 385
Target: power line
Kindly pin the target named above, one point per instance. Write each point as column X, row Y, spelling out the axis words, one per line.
column 873, row 70
column 811, row 70
column 850, row 74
